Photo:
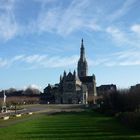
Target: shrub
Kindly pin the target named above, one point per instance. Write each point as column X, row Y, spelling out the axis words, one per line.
column 131, row 119
column 120, row 101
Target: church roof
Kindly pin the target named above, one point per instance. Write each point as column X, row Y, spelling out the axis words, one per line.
column 87, row 79
column 69, row 74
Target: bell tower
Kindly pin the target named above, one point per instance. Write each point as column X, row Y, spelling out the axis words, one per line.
column 82, row 68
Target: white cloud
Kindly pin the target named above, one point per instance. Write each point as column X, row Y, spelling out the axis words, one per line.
column 61, row 61
column 56, row 19
column 130, row 63
column 39, row 61
column 17, row 58
column 48, row 21
column 3, row 62
column 34, row 58
column 8, row 25
column 98, row 61
column 45, row 1
column 124, row 37
column 127, row 58
column 8, row 29
column 117, row 34
column 126, row 6
column 122, row 58
column 64, row 21
column 34, row 86
column 7, row 5
column 126, row 54
column 136, row 28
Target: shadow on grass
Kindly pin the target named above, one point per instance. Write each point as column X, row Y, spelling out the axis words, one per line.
column 75, row 136
column 80, row 125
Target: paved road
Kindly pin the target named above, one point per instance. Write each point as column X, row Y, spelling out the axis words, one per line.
column 39, row 108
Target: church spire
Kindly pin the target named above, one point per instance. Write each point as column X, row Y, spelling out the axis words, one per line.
column 82, row 44
column 82, row 52
column 82, row 68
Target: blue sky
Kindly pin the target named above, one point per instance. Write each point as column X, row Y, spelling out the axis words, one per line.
column 39, row 39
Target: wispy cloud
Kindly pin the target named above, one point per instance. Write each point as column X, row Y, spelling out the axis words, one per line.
column 128, row 58
column 117, row 35
column 7, row 5
column 64, row 21
column 121, row 11
column 3, row 62
column 122, row 58
column 129, row 37
column 8, row 25
column 39, row 61
column 136, row 28
column 8, row 29
column 63, row 18
column 58, row 18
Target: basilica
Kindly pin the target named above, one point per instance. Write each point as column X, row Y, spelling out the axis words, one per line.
column 73, row 87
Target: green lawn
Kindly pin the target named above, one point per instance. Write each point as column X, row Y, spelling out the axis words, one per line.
column 66, row 126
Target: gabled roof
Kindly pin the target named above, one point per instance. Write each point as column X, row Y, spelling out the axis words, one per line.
column 70, row 74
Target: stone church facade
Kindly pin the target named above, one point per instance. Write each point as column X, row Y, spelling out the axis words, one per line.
column 73, row 88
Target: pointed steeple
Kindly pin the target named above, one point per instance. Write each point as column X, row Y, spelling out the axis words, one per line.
column 82, row 68
column 82, row 44
column 82, row 52
column 60, row 78
column 64, row 74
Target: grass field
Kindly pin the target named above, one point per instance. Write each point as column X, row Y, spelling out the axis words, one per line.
column 66, row 126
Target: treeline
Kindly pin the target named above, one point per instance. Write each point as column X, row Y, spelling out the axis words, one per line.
column 124, row 104
column 28, row 96
column 29, row 91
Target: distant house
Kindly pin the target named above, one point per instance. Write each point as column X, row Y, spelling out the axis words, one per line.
column 104, row 89
column 135, row 87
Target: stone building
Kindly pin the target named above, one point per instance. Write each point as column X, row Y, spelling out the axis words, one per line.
column 105, row 89
column 82, row 70
column 135, row 88
column 73, row 88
